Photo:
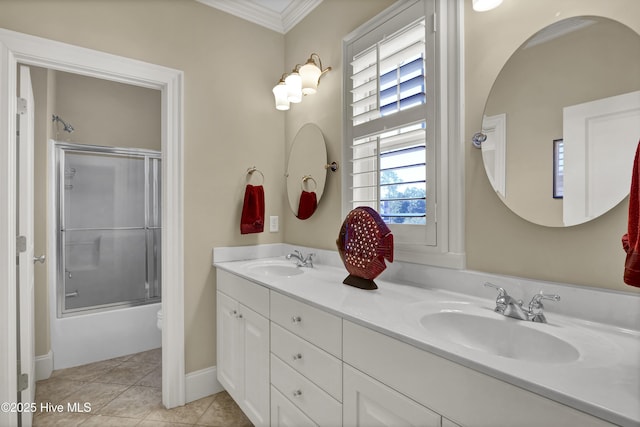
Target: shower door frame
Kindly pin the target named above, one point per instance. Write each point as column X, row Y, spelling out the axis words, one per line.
column 61, row 148
column 26, row 49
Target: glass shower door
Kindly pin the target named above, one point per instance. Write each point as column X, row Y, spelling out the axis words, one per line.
column 154, row 228
column 104, row 231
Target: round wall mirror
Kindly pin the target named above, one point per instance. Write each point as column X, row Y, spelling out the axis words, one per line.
column 563, row 122
column 306, row 172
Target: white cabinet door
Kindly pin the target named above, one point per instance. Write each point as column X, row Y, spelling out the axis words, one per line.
column 255, row 331
column 229, row 345
column 243, row 357
column 370, row 403
column 286, row 414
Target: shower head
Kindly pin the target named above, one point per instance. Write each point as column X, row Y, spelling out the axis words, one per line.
column 67, row 126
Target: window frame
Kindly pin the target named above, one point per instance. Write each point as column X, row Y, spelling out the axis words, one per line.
column 448, row 248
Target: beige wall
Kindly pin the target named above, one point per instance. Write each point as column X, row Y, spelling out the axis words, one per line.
column 107, row 113
column 497, row 240
column 322, row 32
column 230, row 122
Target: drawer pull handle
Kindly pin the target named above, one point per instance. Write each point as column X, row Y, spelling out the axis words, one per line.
column 297, row 356
column 240, row 316
column 296, row 319
column 297, row 393
column 233, row 313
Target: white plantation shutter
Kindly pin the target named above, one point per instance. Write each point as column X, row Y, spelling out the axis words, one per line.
column 389, row 76
column 391, row 132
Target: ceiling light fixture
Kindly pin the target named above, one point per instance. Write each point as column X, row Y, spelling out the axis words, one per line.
column 484, row 5
column 303, row 80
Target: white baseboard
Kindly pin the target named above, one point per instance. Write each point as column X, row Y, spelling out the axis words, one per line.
column 201, row 383
column 44, row 366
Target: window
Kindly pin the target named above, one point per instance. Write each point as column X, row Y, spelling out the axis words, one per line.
column 393, row 115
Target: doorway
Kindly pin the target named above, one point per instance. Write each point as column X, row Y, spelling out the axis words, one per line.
column 20, row 48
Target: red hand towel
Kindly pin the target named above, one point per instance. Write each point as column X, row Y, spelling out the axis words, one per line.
column 631, row 240
column 307, row 205
column 252, row 219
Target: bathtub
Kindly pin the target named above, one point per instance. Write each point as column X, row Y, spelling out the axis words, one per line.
column 92, row 337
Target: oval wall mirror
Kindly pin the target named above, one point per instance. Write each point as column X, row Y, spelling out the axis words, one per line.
column 306, row 172
column 563, row 122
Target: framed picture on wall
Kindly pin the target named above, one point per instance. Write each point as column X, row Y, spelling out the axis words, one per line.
column 558, row 168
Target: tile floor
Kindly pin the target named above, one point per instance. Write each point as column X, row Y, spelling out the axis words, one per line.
column 126, row 391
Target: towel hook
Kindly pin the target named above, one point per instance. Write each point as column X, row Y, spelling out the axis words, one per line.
column 253, row 169
column 308, row 178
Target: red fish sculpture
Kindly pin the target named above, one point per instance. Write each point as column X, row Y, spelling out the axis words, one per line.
column 364, row 242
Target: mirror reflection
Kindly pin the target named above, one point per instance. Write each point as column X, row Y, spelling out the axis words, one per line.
column 563, row 122
column 306, row 172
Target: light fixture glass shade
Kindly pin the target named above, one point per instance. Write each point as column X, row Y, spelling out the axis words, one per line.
column 484, row 5
column 280, row 92
column 310, row 74
column 294, row 87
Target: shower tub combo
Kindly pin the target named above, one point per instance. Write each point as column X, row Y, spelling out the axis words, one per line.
column 108, row 258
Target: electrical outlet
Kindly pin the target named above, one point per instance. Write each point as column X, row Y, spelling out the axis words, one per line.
column 273, row 224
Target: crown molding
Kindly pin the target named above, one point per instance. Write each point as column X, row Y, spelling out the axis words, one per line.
column 252, row 11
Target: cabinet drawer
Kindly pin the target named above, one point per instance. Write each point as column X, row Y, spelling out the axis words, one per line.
column 250, row 294
column 323, row 409
column 312, row 362
column 314, row 325
column 442, row 385
column 285, row 413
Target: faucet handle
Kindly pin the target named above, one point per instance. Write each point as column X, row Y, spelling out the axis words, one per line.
column 309, row 259
column 501, row 299
column 536, row 309
column 536, row 300
column 501, row 291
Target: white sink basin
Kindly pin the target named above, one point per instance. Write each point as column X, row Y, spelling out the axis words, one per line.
column 274, row 268
column 503, row 336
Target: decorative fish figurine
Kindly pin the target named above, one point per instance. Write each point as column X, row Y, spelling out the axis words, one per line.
column 364, row 242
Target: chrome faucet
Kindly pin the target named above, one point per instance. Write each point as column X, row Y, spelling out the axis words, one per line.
column 536, row 308
column 510, row 307
column 302, row 260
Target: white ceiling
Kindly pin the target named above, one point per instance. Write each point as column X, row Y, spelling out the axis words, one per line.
column 277, row 15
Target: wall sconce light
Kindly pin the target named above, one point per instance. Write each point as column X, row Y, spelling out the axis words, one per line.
column 281, row 94
column 484, row 5
column 303, row 80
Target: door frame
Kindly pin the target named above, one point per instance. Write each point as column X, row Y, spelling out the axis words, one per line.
column 31, row 50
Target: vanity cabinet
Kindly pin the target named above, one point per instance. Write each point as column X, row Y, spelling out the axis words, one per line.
column 243, row 344
column 289, row 363
column 464, row 395
column 306, row 365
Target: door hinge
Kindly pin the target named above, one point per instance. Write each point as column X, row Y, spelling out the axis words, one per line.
column 21, row 106
column 434, row 21
column 21, row 244
column 23, row 382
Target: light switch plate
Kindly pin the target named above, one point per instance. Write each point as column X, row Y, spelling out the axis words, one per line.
column 273, row 224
